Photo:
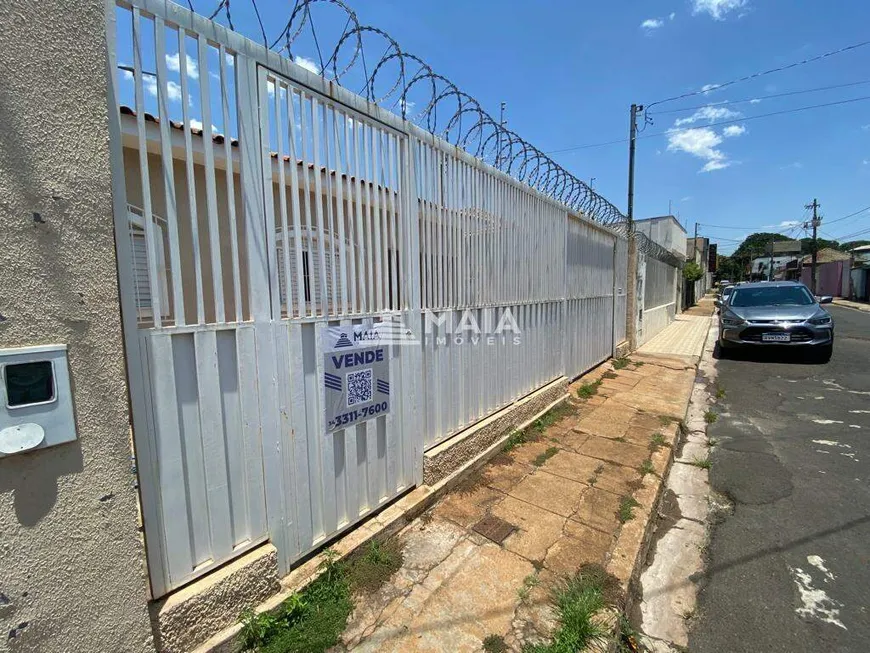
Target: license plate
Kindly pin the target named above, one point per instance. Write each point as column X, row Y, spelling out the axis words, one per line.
column 775, row 337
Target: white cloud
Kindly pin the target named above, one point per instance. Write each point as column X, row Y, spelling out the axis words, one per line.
column 733, row 130
column 699, row 142
column 149, row 85
column 672, row 16
column 795, row 165
column 754, row 101
column 651, row 24
column 706, row 89
column 307, row 64
column 197, row 124
column 687, row 198
column 717, row 9
column 865, row 162
column 192, row 69
column 785, row 224
column 866, row 128
column 708, row 113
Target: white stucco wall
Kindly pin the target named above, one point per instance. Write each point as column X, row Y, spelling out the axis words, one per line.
column 72, row 571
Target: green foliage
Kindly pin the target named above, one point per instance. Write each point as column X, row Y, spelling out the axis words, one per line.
column 494, row 644
column 646, row 467
column 757, row 244
column 703, row 463
column 588, row 390
column 626, row 509
column 514, row 440
column 621, row 363
column 656, row 441
column 852, row 244
column 544, row 457
column 312, row 621
column 710, row 417
column 692, row 271
column 577, row 601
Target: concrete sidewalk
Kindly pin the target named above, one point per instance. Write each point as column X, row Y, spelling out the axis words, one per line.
column 483, row 561
column 858, row 306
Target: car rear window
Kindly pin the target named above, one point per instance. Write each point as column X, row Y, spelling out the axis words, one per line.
column 773, row 296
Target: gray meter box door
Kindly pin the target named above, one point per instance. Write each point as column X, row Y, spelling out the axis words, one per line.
column 356, row 376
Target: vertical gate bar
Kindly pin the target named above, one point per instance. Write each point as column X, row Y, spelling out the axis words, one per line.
column 168, row 172
column 331, row 225
column 151, row 249
column 426, row 209
column 231, row 183
column 191, row 177
column 282, row 198
column 351, row 480
column 137, row 356
column 368, row 218
column 214, row 237
column 439, row 276
column 301, row 307
column 295, row 425
column 304, row 99
column 269, row 252
column 256, row 166
column 394, row 189
column 361, row 245
column 318, row 207
column 342, row 170
column 377, row 224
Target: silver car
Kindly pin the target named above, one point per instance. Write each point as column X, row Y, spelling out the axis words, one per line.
column 781, row 314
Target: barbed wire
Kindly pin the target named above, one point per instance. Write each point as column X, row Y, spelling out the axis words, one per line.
column 447, row 111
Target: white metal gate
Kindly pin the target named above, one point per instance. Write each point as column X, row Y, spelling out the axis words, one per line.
column 256, row 207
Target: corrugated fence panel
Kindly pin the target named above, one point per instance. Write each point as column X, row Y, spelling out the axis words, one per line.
column 208, row 454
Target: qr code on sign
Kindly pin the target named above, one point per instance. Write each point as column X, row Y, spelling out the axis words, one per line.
column 359, row 387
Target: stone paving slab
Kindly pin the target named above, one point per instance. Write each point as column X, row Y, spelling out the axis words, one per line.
column 560, row 491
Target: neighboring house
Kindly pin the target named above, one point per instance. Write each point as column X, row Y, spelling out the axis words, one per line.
column 832, row 272
column 860, row 273
column 698, row 250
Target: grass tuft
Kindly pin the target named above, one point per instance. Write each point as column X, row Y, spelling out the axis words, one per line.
column 621, row 363
column 646, row 467
column 664, row 420
column 577, row 601
column 609, row 375
column 312, row 620
column 494, row 644
column 514, row 440
column 710, row 417
column 588, row 390
column 720, row 392
column 703, row 463
column 544, row 457
column 626, row 509
column 657, row 441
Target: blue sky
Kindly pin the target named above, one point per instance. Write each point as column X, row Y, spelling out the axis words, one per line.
column 569, row 70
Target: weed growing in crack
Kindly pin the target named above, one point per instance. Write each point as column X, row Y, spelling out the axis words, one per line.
column 628, row 637
column 712, row 442
column 621, row 363
column 703, row 463
column 544, row 457
column 639, row 363
column 710, row 417
column 664, row 420
column 494, row 644
column 609, row 375
column 577, row 601
column 626, row 509
column 720, row 392
column 646, row 467
column 588, row 390
column 657, row 441
column 514, row 440
column 312, row 620
column 529, row 582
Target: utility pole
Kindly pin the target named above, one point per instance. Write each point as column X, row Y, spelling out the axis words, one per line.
column 814, row 251
column 631, row 283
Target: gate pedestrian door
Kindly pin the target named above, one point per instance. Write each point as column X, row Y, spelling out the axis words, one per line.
column 247, row 246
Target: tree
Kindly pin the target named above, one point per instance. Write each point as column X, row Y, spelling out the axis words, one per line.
column 692, row 272
column 807, row 245
column 852, row 244
column 757, row 244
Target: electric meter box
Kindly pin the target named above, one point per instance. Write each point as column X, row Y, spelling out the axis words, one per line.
column 36, row 406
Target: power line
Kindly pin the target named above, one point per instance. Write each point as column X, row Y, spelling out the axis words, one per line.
column 778, row 69
column 866, row 208
column 714, row 124
column 765, row 97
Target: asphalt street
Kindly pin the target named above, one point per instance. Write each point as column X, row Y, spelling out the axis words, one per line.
column 789, row 570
